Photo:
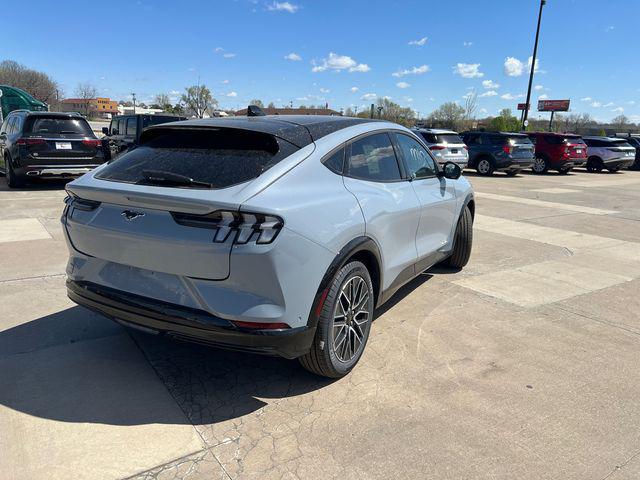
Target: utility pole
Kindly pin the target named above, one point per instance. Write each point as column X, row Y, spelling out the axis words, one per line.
column 533, row 67
column 133, row 94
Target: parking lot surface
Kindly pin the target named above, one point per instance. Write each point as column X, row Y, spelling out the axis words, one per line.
column 522, row 366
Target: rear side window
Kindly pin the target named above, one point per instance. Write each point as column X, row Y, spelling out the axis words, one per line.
column 448, row 138
column 211, row 158
column 373, row 158
column 335, row 162
column 52, row 126
column 428, row 137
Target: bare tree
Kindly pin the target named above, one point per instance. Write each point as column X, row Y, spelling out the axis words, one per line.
column 86, row 91
column 162, row 99
column 470, row 106
column 198, row 101
column 257, row 102
column 620, row 122
column 38, row 84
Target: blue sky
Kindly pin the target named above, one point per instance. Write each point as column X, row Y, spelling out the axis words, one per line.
column 419, row 53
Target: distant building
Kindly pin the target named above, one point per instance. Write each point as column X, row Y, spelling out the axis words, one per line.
column 122, row 110
column 91, row 107
column 292, row 111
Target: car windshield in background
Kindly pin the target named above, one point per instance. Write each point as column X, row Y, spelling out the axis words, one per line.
column 518, row 139
column 51, row 126
column 448, row 138
column 207, row 158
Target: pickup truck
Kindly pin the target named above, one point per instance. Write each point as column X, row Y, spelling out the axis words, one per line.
column 124, row 131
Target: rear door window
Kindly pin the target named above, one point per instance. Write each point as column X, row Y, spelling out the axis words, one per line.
column 207, row 158
column 373, row 158
column 132, row 126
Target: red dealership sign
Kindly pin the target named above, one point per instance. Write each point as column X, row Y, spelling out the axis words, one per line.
column 553, row 105
column 523, row 106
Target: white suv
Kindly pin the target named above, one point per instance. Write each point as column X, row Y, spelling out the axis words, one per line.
column 610, row 153
column 446, row 145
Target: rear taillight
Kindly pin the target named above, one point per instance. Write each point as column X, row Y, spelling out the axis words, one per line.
column 507, row 149
column 30, row 141
column 92, row 143
column 243, row 227
column 465, row 147
column 80, row 203
column 437, row 147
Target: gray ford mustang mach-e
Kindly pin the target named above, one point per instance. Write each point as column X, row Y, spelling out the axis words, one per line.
column 269, row 234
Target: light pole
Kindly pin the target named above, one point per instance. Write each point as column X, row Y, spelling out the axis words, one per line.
column 134, row 102
column 533, row 67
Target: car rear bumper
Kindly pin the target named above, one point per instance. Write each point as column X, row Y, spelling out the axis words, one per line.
column 58, row 170
column 618, row 162
column 185, row 323
column 515, row 164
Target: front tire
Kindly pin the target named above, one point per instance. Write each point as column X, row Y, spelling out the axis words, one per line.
column 462, row 240
column 344, row 323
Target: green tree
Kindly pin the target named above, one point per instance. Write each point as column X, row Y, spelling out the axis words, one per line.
column 448, row 115
column 198, row 101
column 505, row 122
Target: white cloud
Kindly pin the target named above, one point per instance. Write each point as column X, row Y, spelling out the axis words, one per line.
column 218, row 49
column 586, row 99
column 412, row 71
column 283, row 7
column 631, row 102
column 607, row 105
column 468, row 70
column 229, row 55
column 609, row 28
column 408, row 99
column 338, row 63
column 354, row 89
column 467, row 44
column 596, row 104
column 225, row 82
column 222, row 50
column 324, row 90
column 535, row 70
column 508, row 96
column 513, row 67
column 544, row 96
column 232, row 94
column 420, row 42
column 484, row 111
column 490, row 84
column 489, row 93
column 403, row 85
column 618, row 110
column 369, row 96
column 538, row 87
column 294, row 57
column 173, row 93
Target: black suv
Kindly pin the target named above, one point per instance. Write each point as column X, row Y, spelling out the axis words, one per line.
column 125, row 130
column 47, row 145
column 501, row 151
column 632, row 139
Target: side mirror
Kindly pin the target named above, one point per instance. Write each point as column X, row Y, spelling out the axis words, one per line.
column 105, row 130
column 451, row 171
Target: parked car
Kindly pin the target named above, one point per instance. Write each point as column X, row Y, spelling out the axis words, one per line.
column 271, row 234
column 632, row 139
column 12, row 98
column 124, row 131
column 608, row 153
column 446, row 145
column 557, row 151
column 498, row 151
column 47, row 145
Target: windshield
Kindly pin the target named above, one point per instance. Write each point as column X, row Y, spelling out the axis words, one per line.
column 207, row 158
column 52, row 126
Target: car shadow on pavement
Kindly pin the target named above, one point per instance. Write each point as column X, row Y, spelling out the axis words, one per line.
column 77, row 366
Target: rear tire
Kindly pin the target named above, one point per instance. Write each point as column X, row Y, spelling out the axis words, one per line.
column 539, row 165
column 484, row 166
column 512, row 173
column 344, row 323
column 462, row 241
column 13, row 180
column 594, row 164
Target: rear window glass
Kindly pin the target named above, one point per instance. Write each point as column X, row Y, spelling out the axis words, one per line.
column 573, row 140
column 154, row 120
column 518, row 139
column 448, row 138
column 210, row 158
column 428, row 137
column 57, row 126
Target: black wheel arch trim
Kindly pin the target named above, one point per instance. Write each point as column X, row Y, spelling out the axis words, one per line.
column 358, row 244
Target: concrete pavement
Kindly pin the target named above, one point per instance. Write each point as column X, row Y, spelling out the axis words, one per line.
column 523, row 365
